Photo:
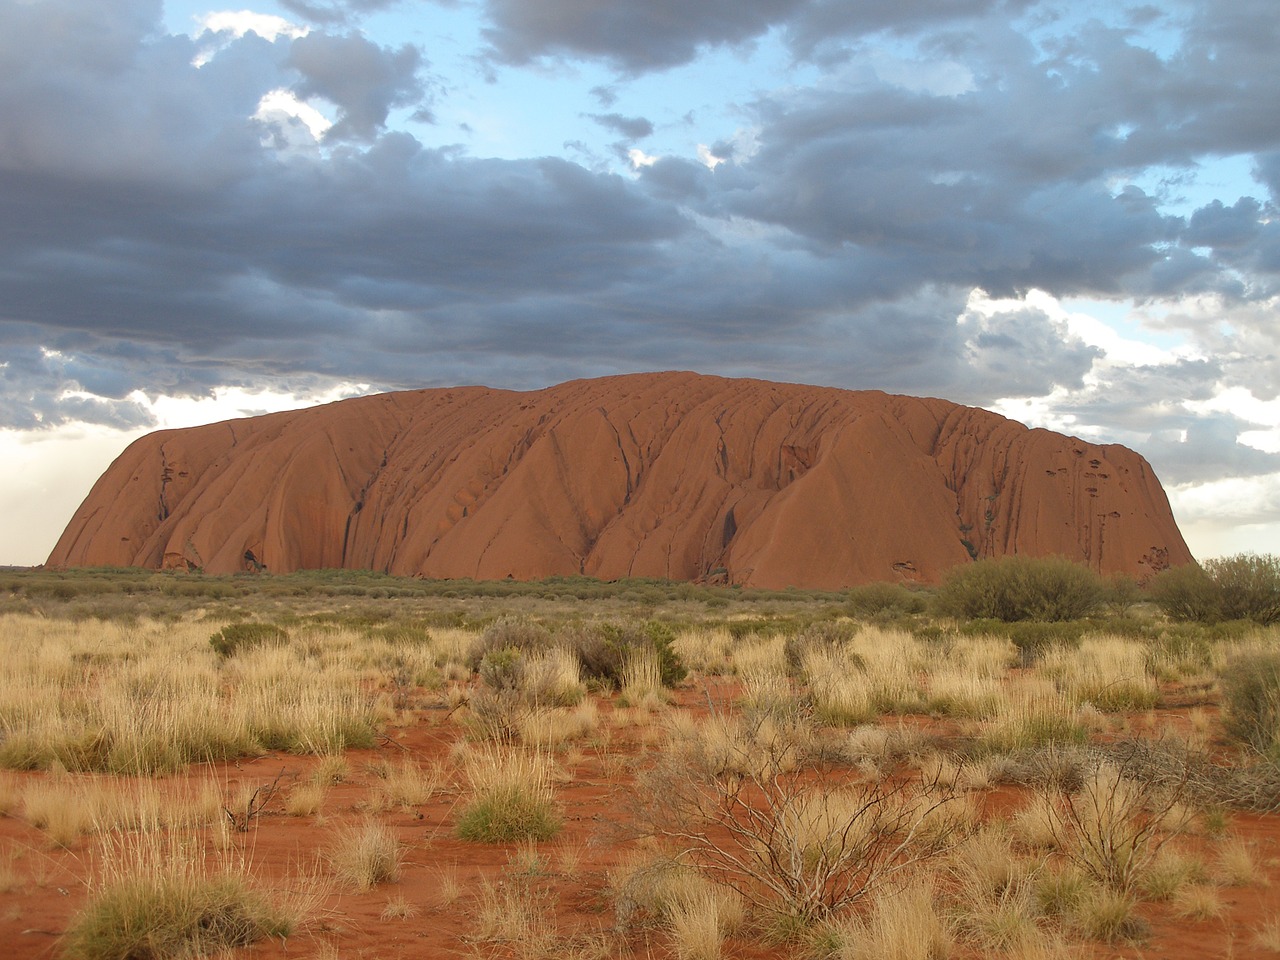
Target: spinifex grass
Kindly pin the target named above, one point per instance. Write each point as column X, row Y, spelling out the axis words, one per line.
column 155, row 698
column 153, row 897
column 511, row 797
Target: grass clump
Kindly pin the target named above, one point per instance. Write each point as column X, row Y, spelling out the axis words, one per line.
column 511, row 798
column 367, row 855
column 155, row 901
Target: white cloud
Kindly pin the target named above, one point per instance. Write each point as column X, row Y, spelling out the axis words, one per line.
column 640, row 159
column 1118, row 348
column 227, row 403
column 282, row 104
column 1241, row 403
column 230, row 25
column 239, row 22
column 47, row 475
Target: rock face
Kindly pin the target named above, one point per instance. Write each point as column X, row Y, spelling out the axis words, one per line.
column 670, row 475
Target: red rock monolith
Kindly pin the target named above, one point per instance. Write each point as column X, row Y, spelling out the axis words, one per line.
column 673, row 475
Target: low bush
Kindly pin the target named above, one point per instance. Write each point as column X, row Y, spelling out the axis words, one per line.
column 1021, row 588
column 605, row 649
column 154, row 902
column 879, row 600
column 511, row 798
column 238, row 637
column 825, row 638
column 508, row 633
column 1250, row 684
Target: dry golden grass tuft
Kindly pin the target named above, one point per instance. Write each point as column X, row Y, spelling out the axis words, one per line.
column 900, row 925
column 365, row 855
column 405, row 785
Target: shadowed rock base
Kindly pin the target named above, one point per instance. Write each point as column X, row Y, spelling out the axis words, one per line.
column 672, row 475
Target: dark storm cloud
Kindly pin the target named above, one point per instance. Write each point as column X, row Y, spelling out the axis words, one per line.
column 1023, row 353
column 335, row 11
column 1146, row 398
column 153, row 236
column 634, row 36
column 633, row 128
column 658, row 34
column 362, row 79
column 821, row 27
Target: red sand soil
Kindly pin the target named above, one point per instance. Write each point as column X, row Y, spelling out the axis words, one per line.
column 51, row 881
column 671, row 475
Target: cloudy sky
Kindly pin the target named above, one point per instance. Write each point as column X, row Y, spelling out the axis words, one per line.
column 1062, row 210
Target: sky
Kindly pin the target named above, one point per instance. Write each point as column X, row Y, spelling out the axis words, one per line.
column 1065, row 212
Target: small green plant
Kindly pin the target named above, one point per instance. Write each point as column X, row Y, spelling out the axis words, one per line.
column 508, row 633
column 238, row 637
column 884, row 600
column 605, row 649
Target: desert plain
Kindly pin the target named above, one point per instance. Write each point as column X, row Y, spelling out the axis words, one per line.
column 354, row 765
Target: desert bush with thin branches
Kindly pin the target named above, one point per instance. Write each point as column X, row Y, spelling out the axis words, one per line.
column 785, row 834
column 1112, row 828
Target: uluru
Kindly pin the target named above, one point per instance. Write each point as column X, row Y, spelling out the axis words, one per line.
column 673, row 475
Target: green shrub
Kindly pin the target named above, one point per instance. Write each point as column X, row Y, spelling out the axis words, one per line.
column 1021, row 588
column 508, row 814
column 1031, row 637
column 502, row 669
column 1187, row 593
column 826, row 636
column 1250, row 686
column 238, row 637
column 1248, row 585
column 1245, row 586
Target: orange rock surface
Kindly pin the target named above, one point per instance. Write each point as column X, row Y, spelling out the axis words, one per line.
column 673, row 475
